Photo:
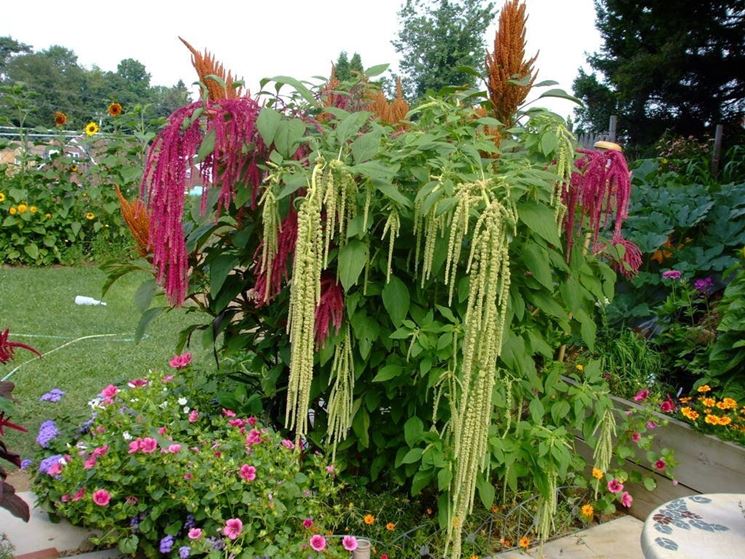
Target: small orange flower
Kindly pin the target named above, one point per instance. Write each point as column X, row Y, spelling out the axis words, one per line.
column 115, row 109
column 369, row 519
column 685, row 400
column 724, row 421
column 727, row 404
column 712, row 419
column 390, row 526
column 587, row 511
column 60, row 118
column 524, row 542
column 597, row 473
column 703, row 389
column 708, row 402
column 474, row 556
column 691, row 414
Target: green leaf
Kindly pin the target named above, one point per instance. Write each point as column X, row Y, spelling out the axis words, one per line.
column 541, row 219
column 288, row 136
column 267, row 124
column 444, row 477
column 413, row 429
column 349, row 126
column 420, row 480
column 304, row 92
column 536, row 411
column 388, row 372
column 393, row 193
column 144, row 294
column 366, row 146
column 537, row 262
column 361, row 426
column 414, row 455
column 352, row 260
column 75, row 226
column 207, row 146
column 220, row 267
column 486, row 491
column 650, row 484
column 146, row 318
column 32, row 250
column 128, row 545
column 396, row 300
column 561, row 94
column 376, row 70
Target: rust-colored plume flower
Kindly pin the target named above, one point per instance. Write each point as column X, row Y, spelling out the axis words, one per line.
column 7, row 347
column 137, row 218
column 507, row 63
column 207, row 67
column 60, row 118
column 114, row 109
column 389, row 112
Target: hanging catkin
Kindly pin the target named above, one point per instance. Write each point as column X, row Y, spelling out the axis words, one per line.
column 391, row 228
column 305, row 294
column 342, row 393
column 604, row 447
column 489, row 284
column 270, row 220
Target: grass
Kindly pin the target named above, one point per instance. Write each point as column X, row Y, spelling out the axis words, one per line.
column 40, row 302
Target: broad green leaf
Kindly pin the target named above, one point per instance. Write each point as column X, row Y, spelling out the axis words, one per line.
column 32, row 250
column 349, row 126
column 420, row 480
column 413, row 429
column 304, row 92
column 366, row 146
column 561, row 94
column 393, row 193
column 541, row 219
column 396, row 300
column 288, row 136
column 352, row 260
column 220, row 267
column 145, row 319
column 414, row 455
column 144, row 294
column 388, row 372
column 536, row 411
column 486, row 491
column 267, row 124
column 537, row 262
column 361, row 426
column 207, row 146
column 376, row 70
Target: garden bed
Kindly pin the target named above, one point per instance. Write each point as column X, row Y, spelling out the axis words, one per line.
column 706, row 464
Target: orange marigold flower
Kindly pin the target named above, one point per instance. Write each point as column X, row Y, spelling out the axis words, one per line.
column 60, row 118
column 708, row 402
column 587, row 511
column 597, row 473
column 712, row 419
column 524, row 542
column 474, row 556
column 115, row 109
column 704, row 388
column 724, row 421
column 390, row 526
column 691, row 414
column 369, row 519
column 685, row 400
column 727, row 404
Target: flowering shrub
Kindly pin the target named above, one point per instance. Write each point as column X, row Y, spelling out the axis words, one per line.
column 159, row 469
column 720, row 416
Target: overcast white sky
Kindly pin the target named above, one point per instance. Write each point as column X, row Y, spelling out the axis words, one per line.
column 264, row 39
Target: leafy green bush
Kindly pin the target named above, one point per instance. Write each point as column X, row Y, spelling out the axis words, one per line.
column 159, row 468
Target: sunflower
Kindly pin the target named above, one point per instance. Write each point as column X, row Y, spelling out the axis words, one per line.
column 13, row 211
column 73, row 168
column 47, row 216
column 33, row 209
column 60, row 118
column 91, row 128
column 2, row 197
column 115, row 109
column 90, row 216
column 22, row 208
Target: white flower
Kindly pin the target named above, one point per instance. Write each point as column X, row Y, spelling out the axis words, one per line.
column 164, row 404
column 126, row 436
column 63, row 461
column 95, row 403
column 187, row 409
column 182, row 401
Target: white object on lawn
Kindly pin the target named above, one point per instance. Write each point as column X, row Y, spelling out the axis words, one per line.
column 83, row 300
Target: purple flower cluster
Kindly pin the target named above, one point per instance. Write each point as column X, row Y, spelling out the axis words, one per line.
column 671, row 274
column 166, row 544
column 704, row 285
column 190, row 522
column 216, row 543
column 25, row 464
column 49, row 462
column 47, row 432
column 54, row 395
column 184, row 551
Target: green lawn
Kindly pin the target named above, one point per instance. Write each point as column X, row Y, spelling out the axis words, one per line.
column 40, row 301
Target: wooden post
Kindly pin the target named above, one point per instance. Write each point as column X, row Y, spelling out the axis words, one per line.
column 612, row 125
column 716, row 156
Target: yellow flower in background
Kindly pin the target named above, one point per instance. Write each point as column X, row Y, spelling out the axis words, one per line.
column 22, row 208
column 33, row 209
column 91, row 129
column 587, row 511
column 115, row 109
column 524, row 542
column 48, row 216
column 704, row 388
column 579, row 367
column 73, row 168
column 597, row 473
column 90, row 216
column 369, row 519
column 2, row 197
column 13, row 211
column 390, row 526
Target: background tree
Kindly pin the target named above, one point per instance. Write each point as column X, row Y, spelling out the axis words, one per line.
column 677, row 66
column 438, row 37
column 9, row 47
column 345, row 68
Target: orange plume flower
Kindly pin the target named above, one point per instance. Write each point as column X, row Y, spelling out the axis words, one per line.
column 507, row 63
column 389, row 112
column 138, row 221
column 206, row 65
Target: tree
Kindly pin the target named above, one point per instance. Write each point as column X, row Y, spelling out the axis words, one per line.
column 437, row 39
column 9, row 47
column 677, row 66
column 345, row 69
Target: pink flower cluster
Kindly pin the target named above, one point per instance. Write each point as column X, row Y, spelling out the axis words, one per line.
column 148, row 445
column 248, row 473
column 109, row 393
column 180, row 361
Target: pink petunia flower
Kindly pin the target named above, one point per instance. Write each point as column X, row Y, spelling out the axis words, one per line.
column 79, row 494
column 162, row 430
column 287, row 443
column 251, row 421
column 317, row 542
column 307, row 523
column 330, row 469
column 349, row 543
column 188, row 476
column 195, row 533
column 636, row 437
column 626, row 499
column 254, row 437
column 148, row 445
column 651, row 425
column 55, row 469
column 228, row 413
column 180, row 361
column 235, row 422
column 615, row 486
column 101, row 497
column 65, row 498
column 174, row 448
column 100, row 451
column 248, row 473
column 137, row 383
column 667, row 406
column 134, row 446
column 660, row 464
column 89, row 463
column 233, row 528
column 193, row 416
column 641, row 395
column 167, row 378
column 109, row 393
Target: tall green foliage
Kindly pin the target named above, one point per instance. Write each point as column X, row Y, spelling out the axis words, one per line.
column 437, row 39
